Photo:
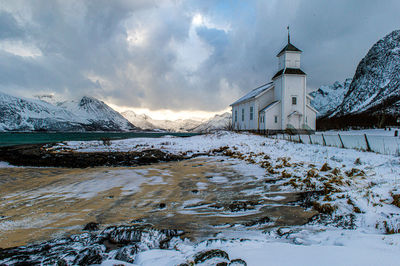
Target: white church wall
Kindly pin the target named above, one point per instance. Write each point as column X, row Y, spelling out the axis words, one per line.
column 265, row 99
column 270, row 114
column 294, row 87
column 292, row 59
column 243, row 116
column 311, row 118
column 278, row 89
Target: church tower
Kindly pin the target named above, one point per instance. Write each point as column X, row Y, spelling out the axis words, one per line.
column 281, row 104
column 290, row 87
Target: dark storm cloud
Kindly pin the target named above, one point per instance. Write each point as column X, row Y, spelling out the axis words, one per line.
column 140, row 53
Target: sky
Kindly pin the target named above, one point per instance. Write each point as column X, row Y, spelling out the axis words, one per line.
column 175, row 58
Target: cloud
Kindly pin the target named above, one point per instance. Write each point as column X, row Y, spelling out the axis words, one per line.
column 176, row 54
column 9, row 28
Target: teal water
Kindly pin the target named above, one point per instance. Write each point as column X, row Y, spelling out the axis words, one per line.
column 14, row 138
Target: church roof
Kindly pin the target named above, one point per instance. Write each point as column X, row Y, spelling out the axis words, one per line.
column 254, row 93
column 289, row 47
column 296, row 71
column 268, row 106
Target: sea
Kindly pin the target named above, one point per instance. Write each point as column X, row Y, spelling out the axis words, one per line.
column 19, row 138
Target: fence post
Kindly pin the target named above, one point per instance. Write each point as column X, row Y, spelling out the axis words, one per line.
column 310, row 139
column 323, row 139
column 341, row 141
column 366, row 140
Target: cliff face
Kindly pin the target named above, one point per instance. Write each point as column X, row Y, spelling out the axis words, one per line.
column 373, row 97
column 376, row 84
column 328, row 98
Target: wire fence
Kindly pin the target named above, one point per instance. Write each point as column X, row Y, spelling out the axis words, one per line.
column 380, row 144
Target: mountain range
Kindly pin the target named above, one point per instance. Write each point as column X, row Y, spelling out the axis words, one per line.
column 49, row 113
column 372, row 98
column 44, row 114
column 181, row 125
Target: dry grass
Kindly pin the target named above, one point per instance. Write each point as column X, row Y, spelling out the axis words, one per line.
column 324, row 208
column 325, row 167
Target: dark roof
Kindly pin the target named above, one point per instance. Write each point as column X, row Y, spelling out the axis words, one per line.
column 289, row 47
column 296, row 71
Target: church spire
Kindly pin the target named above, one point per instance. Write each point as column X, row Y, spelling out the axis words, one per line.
column 288, row 34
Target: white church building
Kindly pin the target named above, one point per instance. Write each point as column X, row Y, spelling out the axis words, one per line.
column 280, row 104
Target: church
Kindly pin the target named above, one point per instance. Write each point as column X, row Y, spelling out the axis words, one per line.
column 280, row 104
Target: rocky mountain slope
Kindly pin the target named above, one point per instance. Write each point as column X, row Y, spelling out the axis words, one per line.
column 328, row 98
column 373, row 97
column 87, row 114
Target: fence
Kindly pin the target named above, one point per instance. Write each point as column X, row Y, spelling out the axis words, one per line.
column 379, row 144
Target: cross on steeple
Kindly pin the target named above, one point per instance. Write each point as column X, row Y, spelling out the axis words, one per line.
column 288, row 34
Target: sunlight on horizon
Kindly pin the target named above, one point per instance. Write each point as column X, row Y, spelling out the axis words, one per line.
column 166, row 114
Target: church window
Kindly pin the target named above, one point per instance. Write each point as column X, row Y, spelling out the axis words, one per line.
column 242, row 114
column 276, row 119
column 251, row 112
column 235, row 115
column 294, row 100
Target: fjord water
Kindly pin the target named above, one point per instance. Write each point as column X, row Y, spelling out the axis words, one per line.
column 19, row 138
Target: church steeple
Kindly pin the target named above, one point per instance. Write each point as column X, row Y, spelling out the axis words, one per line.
column 289, row 47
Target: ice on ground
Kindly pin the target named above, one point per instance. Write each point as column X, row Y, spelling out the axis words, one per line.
column 364, row 186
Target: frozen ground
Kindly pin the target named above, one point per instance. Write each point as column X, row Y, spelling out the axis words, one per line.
column 355, row 192
column 359, row 222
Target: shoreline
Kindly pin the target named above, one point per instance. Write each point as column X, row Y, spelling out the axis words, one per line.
column 41, row 155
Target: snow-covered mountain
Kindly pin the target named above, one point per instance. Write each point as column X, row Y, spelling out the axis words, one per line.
column 222, row 121
column 375, row 88
column 181, row 125
column 44, row 114
column 140, row 120
column 146, row 122
column 328, row 98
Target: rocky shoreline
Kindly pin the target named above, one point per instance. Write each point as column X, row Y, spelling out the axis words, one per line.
column 41, row 155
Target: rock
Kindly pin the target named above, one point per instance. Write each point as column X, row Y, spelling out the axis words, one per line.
column 122, row 242
column 39, row 155
column 237, row 262
column 92, row 226
column 127, row 254
column 262, row 220
column 209, row 254
column 89, row 256
column 162, row 205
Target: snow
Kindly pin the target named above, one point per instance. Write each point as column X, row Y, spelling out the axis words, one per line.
column 6, row 165
column 23, row 114
column 143, row 121
column 376, row 80
column 327, row 98
column 254, row 93
column 368, row 182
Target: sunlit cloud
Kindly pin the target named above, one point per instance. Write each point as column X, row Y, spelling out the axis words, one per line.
column 19, row 48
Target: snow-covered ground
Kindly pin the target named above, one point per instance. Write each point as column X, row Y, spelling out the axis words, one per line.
column 359, row 224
